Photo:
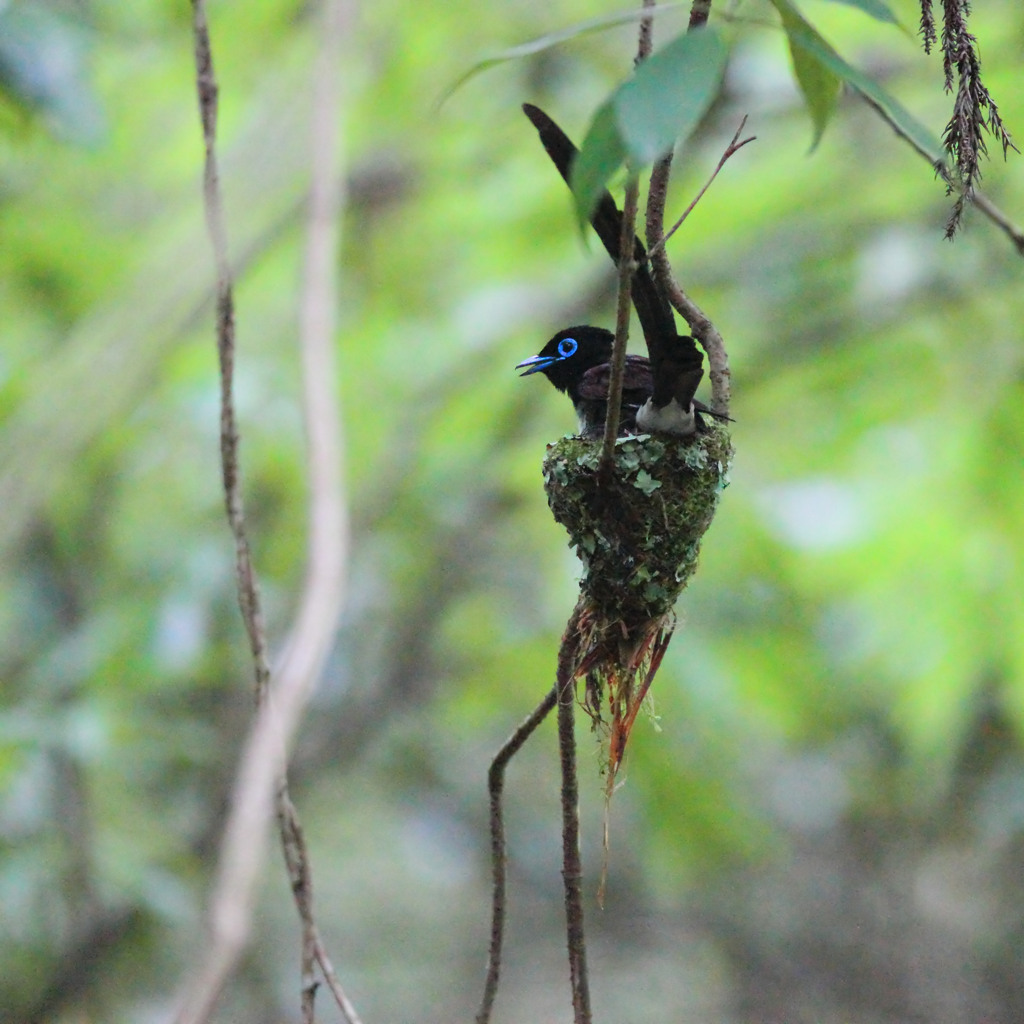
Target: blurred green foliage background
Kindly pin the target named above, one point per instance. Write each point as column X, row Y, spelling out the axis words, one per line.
column 827, row 823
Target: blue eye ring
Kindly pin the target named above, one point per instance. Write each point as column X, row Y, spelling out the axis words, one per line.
column 567, row 347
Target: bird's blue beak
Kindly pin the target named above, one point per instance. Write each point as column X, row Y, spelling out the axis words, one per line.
column 535, row 364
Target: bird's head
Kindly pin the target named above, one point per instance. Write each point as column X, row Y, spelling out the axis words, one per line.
column 569, row 354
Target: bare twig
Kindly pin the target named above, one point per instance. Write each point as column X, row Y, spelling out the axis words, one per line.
column 625, row 262
column 314, row 952
column 229, row 912
column 626, row 267
column 703, row 330
column 297, row 861
column 572, row 871
column 657, row 193
column 735, row 144
column 495, row 787
column 994, row 214
column 261, row 778
column 645, row 38
column 248, row 590
column 564, row 695
column 699, row 11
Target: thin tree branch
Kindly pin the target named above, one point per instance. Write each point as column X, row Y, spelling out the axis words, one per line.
column 618, row 362
column 314, row 951
column 624, row 256
column 703, row 330
column 261, row 778
column 229, row 912
column 699, row 11
column 495, row 788
column 735, row 144
column 943, row 170
column 297, row 860
column 700, row 324
column 994, row 214
column 248, row 590
column 645, row 37
column 572, row 871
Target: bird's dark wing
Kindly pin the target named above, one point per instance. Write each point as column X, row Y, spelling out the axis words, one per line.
column 637, row 379
column 637, row 382
column 592, row 395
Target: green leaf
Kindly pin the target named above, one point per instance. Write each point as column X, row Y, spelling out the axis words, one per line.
column 662, row 101
column 876, row 8
column 669, row 93
column 818, row 83
column 806, row 40
column 603, row 152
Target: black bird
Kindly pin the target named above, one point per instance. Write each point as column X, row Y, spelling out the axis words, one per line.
column 577, row 361
column 658, row 394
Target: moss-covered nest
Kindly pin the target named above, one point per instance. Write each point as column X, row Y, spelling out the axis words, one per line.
column 637, row 530
column 637, row 533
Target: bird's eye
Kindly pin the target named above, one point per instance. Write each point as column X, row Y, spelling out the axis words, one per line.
column 567, row 347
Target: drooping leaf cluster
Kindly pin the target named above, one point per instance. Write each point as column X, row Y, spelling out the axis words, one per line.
column 975, row 113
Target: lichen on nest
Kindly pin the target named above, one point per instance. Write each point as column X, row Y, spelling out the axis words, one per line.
column 637, row 530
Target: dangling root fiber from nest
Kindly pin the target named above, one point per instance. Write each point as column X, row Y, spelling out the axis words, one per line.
column 618, row 674
column 637, row 530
